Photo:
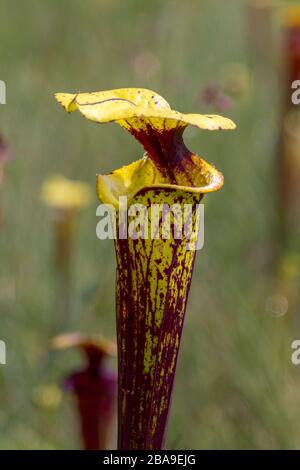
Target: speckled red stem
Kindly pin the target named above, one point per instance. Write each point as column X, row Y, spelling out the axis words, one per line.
column 147, row 282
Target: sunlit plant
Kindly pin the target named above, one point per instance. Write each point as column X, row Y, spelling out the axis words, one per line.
column 154, row 274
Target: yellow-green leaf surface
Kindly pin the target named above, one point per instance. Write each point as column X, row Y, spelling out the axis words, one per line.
column 153, row 281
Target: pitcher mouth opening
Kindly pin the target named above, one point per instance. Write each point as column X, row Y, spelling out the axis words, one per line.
column 143, row 174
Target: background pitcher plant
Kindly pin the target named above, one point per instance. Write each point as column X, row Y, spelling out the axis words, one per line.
column 153, row 274
column 94, row 386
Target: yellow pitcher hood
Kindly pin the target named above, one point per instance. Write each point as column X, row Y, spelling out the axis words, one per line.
column 138, row 108
column 149, row 118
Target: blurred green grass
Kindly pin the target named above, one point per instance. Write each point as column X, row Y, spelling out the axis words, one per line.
column 234, row 387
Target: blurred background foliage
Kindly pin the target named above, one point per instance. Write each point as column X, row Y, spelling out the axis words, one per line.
column 235, row 385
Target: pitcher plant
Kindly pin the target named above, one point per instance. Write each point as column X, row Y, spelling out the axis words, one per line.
column 153, row 272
